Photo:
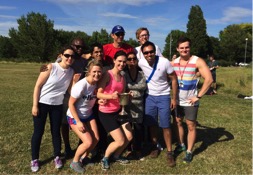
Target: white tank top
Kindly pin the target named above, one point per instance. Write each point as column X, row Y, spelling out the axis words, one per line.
column 52, row 92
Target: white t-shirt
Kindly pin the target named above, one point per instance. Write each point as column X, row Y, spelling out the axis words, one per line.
column 84, row 92
column 158, row 85
column 140, row 55
column 52, row 92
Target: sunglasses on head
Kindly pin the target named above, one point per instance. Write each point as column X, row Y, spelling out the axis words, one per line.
column 68, row 55
column 130, row 59
column 147, row 52
column 120, row 34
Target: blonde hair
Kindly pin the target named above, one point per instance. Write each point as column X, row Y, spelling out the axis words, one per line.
column 138, row 31
column 93, row 63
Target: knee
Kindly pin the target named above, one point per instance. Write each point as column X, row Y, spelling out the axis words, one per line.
column 129, row 137
column 121, row 142
column 191, row 127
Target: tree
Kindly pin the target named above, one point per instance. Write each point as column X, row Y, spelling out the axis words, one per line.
column 171, row 43
column 214, row 47
column 196, row 31
column 34, row 38
column 6, row 48
column 132, row 42
column 232, row 42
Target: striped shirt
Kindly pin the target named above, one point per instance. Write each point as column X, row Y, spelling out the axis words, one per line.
column 187, row 80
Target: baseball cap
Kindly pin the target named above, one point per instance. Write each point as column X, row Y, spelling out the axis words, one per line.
column 117, row 29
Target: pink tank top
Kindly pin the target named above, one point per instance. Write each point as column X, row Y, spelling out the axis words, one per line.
column 112, row 86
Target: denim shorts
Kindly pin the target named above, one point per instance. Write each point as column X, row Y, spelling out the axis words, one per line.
column 157, row 106
column 72, row 121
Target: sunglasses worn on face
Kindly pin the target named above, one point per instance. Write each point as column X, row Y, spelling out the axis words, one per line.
column 68, row 55
column 119, row 34
column 130, row 59
column 78, row 46
column 147, row 52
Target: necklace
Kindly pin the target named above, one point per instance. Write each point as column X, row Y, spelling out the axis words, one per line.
column 181, row 83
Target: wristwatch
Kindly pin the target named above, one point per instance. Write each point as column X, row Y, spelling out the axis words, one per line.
column 198, row 97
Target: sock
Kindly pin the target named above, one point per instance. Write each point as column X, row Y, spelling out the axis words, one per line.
column 182, row 145
column 105, row 158
column 188, row 151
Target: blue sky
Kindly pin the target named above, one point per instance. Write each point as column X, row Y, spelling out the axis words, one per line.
column 159, row 16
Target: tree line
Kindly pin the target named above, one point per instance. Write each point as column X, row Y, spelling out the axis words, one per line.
column 36, row 40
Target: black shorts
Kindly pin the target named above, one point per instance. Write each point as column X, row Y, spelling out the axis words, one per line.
column 189, row 112
column 110, row 121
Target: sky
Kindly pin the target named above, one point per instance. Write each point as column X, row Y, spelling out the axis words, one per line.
column 159, row 16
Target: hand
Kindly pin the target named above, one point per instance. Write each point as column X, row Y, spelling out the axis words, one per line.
column 43, row 68
column 76, row 78
column 35, row 111
column 102, row 101
column 173, row 104
column 80, row 126
column 115, row 95
column 193, row 100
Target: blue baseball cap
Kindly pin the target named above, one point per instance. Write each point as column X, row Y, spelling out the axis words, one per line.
column 117, row 29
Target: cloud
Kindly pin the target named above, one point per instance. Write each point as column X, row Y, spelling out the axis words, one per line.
column 155, row 21
column 119, row 15
column 106, row 2
column 5, row 26
column 8, row 17
column 231, row 15
column 7, row 8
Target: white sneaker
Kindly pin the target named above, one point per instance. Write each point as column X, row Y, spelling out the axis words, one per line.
column 58, row 162
column 35, row 165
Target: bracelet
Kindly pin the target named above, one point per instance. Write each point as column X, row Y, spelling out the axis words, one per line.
column 198, row 97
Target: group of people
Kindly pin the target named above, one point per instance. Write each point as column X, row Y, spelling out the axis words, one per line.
column 83, row 94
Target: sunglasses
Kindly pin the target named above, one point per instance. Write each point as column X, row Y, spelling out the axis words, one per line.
column 120, row 34
column 132, row 59
column 147, row 52
column 78, row 46
column 68, row 55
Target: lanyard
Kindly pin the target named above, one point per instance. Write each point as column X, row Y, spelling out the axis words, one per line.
column 182, row 73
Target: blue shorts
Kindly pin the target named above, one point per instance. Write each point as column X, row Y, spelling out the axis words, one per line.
column 157, row 106
column 72, row 121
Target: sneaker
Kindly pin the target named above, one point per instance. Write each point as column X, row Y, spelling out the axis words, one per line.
column 86, row 161
column 179, row 149
column 135, row 155
column 35, row 165
column 171, row 160
column 154, row 153
column 105, row 164
column 188, row 157
column 121, row 160
column 57, row 162
column 77, row 167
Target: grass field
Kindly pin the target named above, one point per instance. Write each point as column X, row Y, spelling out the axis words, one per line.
column 224, row 139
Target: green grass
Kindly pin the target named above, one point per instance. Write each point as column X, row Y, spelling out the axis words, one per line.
column 223, row 146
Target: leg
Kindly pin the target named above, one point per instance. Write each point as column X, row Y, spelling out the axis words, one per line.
column 167, row 135
column 55, row 116
column 39, row 127
column 86, row 141
column 127, row 131
column 65, row 127
column 192, row 133
column 94, row 134
column 179, row 129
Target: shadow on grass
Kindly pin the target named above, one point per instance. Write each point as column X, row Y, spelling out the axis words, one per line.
column 209, row 136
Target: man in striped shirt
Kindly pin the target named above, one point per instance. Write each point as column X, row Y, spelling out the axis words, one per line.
column 188, row 69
